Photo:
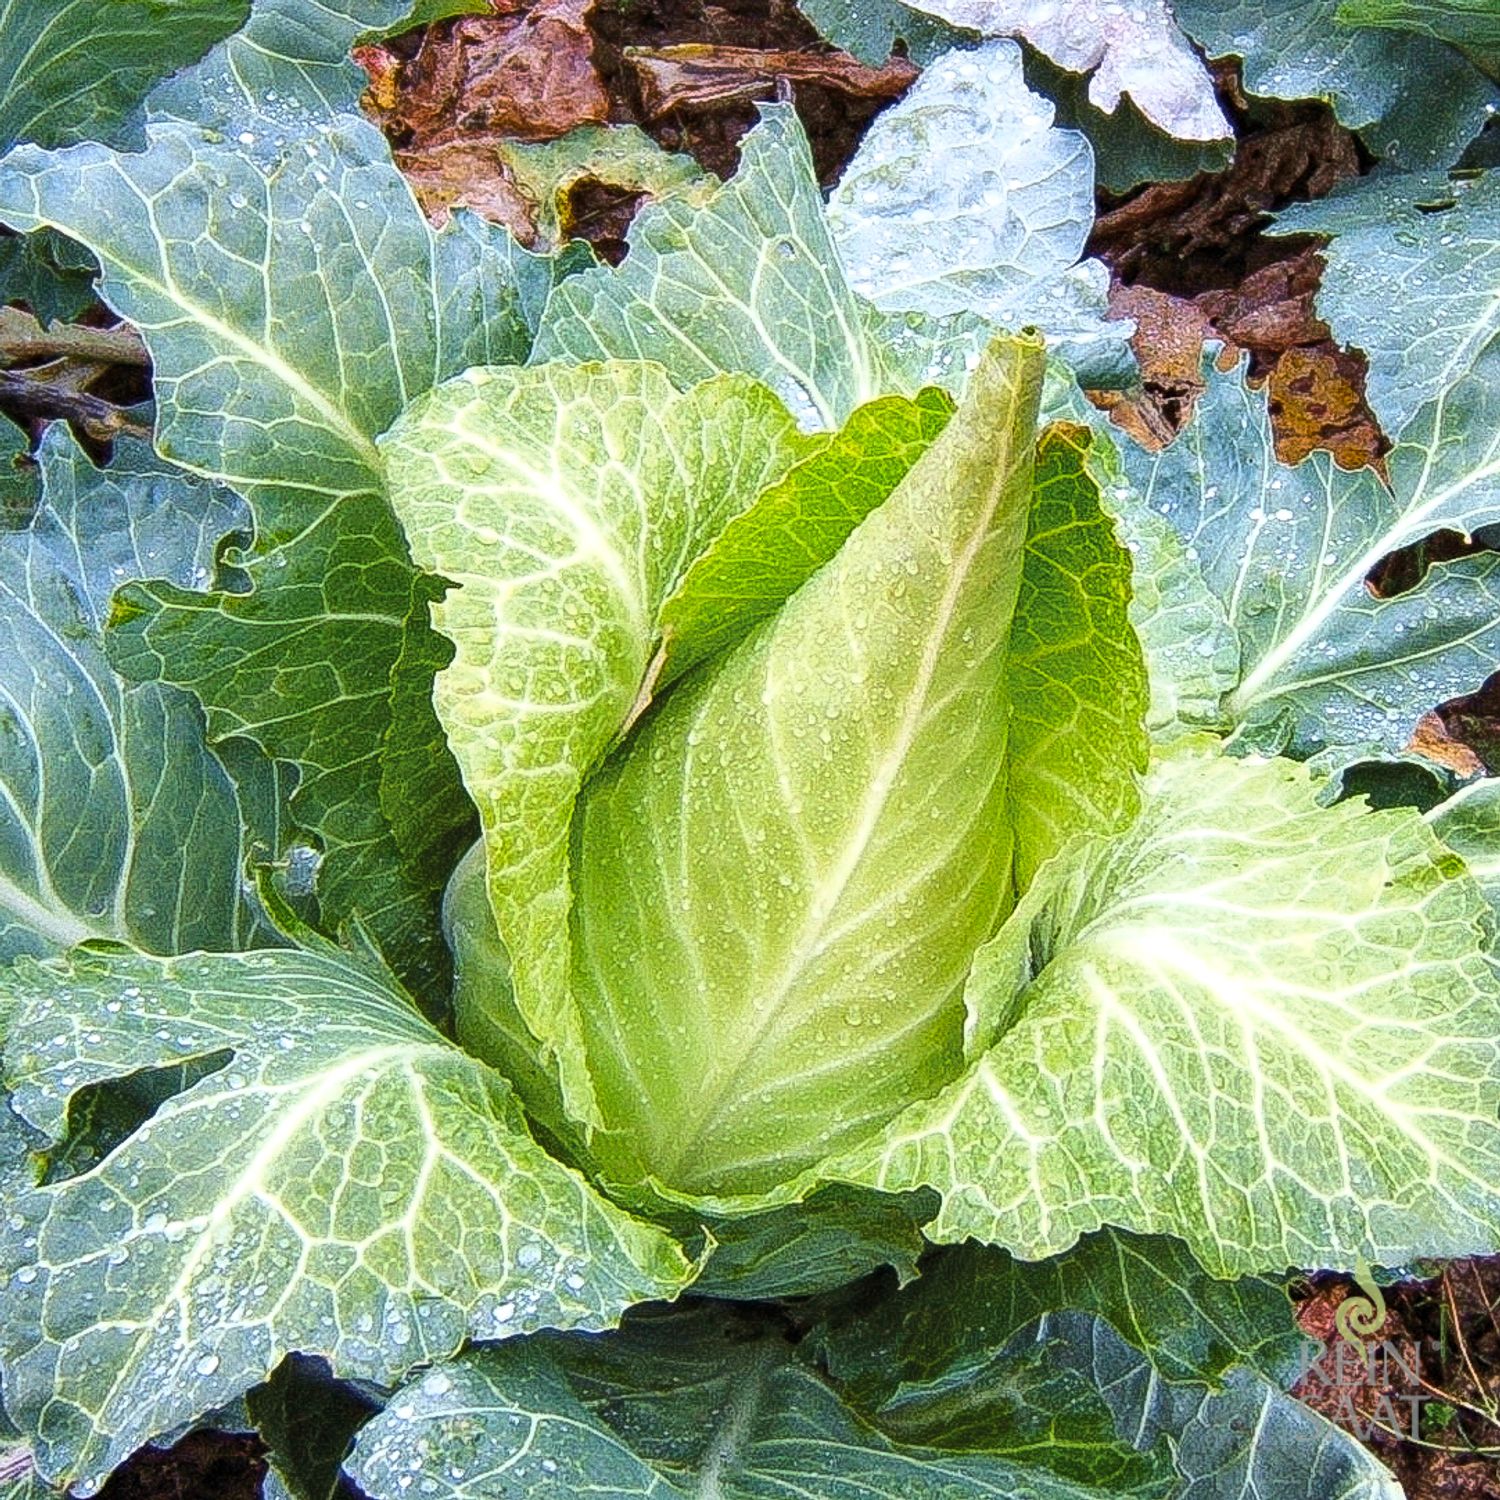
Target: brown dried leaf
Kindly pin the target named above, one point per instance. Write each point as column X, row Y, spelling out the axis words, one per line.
column 699, row 76
column 527, row 73
column 1431, row 740
column 468, row 174
column 1185, row 234
column 1271, row 310
column 1317, row 401
column 1168, row 342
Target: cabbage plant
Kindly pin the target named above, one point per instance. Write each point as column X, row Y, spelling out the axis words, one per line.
column 692, row 879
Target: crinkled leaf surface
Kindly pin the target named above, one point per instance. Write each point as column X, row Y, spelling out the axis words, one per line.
column 294, row 300
column 1135, row 49
column 1072, row 660
column 1416, row 102
column 685, row 1404
column 116, row 821
column 565, row 504
column 1264, row 1026
column 999, row 231
column 1326, row 664
column 1412, row 278
column 1076, row 678
column 787, row 956
column 347, row 1184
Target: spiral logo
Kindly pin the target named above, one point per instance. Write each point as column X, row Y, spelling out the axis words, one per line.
column 1360, row 1318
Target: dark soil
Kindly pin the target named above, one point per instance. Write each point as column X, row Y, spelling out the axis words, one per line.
column 203, row 1466
column 1424, row 1390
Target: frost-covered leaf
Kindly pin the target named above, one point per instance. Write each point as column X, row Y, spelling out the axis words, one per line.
column 748, row 282
column 1416, row 102
column 1128, row 148
column 1412, row 278
column 772, row 851
column 999, row 230
column 115, row 821
column 1469, row 824
column 764, row 554
column 1326, row 664
column 1261, row 1025
column 1133, row 49
column 74, row 70
column 564, row 503
column 345, row 1183
column 684, row 1404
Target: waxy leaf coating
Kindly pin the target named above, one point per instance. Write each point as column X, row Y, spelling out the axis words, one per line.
column 346, row 1183
column 816, row 835
column 1261, row 1025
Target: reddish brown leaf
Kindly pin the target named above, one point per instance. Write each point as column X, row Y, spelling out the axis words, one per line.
column 1431, row 740
column 1271, row 310
column 468, row 174
column 1317, row 401
column 1168, row 342
column 526, row 73
column 1187, row 234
